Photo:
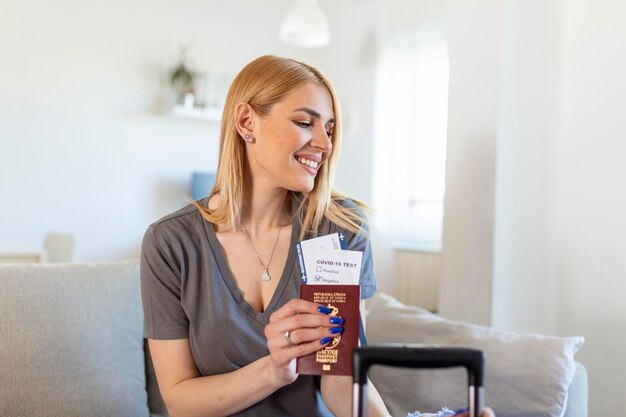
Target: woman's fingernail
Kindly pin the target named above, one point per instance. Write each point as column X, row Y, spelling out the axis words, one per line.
column 336, row 320
column 335, row 330
column 324, row 340
column 323, row 309
column 461, row 411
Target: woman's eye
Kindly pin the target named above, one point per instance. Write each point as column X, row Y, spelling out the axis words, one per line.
column 304, row 124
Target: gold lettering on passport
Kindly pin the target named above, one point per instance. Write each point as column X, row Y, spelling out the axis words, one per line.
column 329, row 297
column 327, row 356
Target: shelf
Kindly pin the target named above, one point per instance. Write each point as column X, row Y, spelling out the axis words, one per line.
column 198, row 113
column 22, row 256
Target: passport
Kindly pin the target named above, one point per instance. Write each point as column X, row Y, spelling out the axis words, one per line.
column 336, row 357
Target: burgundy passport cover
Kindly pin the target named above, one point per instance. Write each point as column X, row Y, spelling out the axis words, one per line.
column 336, row 357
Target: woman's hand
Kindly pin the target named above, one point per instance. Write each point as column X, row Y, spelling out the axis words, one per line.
column 297, row 329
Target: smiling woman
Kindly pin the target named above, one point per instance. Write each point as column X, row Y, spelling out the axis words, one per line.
column 219, row 280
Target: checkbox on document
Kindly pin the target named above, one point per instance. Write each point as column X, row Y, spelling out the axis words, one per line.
column 318, row 269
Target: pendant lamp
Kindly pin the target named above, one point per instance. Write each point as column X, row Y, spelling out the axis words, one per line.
column 306, row 25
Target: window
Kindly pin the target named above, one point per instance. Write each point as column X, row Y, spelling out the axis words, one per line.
column 410, row 140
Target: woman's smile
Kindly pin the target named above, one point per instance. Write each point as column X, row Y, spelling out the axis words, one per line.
column 309, row 162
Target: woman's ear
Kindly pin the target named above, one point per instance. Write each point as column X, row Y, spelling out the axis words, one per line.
column 244, row 121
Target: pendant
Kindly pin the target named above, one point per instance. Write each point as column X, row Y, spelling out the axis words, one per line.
column 266, row 276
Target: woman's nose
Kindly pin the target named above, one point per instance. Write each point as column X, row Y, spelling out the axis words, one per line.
column 322, row 141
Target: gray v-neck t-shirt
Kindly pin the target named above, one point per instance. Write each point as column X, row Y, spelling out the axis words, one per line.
column 188, row 292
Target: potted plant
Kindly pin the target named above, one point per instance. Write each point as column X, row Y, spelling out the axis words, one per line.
column 183, row 79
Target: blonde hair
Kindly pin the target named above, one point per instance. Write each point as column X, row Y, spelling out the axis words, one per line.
column 263, row 83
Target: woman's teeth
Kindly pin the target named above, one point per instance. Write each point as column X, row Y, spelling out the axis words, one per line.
column 307, row 162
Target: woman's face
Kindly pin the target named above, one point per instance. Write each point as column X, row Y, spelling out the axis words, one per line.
column 293, row 140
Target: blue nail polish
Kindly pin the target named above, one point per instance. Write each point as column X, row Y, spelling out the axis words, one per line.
column 336, row 320
column 461, row 411
column 324, row 310
column 335, row 330
column 324, row 340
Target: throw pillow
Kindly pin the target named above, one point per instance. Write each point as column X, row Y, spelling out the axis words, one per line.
column 525, row 375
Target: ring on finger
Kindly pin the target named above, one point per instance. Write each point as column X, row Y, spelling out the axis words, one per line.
column 288, row 338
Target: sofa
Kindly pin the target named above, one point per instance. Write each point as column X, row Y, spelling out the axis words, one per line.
column 71, row 345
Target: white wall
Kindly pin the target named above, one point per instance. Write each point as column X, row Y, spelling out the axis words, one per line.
column 525, row 231
column 83, row 148
column 474, row 47
column 592, row 202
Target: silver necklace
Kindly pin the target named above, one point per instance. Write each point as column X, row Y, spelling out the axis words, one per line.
column 266, row 275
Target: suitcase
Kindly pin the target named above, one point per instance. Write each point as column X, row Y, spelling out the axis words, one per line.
column 407, row 356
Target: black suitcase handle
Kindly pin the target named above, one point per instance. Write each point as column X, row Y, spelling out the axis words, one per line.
column 408, row 356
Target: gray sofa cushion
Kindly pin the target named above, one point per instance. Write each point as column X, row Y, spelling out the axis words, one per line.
column 71, row 341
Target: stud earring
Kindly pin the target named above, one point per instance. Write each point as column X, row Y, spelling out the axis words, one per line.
column 249, row 138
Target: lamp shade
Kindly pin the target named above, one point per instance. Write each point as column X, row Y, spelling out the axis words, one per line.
column 306, row 25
